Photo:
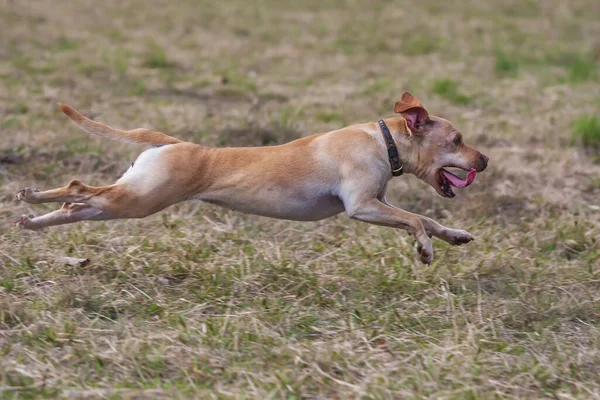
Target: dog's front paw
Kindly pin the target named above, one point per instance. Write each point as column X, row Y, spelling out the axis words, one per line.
column 23, row 221
column 26, row 194
column 425, row 250
column 458, row 237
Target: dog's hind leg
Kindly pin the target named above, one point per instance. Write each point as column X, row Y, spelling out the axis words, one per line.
column 145, row 189
column 74, row 192
column 67, row 214
column 120, row 200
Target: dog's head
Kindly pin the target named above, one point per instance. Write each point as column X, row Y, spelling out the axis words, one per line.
column 437, row 145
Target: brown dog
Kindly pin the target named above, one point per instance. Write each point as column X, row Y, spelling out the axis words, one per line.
column 308, row 179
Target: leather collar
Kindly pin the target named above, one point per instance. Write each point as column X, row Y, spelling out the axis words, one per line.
column 397, row 168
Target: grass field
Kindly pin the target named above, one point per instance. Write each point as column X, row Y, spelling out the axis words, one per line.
column 203, row 302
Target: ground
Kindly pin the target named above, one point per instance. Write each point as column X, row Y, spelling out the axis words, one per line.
column 202, row 302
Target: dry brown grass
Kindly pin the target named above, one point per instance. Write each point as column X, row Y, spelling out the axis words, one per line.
column 206, row 303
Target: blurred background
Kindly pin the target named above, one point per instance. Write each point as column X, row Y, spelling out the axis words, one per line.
column 200, row 301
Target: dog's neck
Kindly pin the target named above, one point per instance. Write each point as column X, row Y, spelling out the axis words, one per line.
column 408, row 154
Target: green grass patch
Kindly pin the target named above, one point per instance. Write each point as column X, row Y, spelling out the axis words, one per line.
column 505, row 65
column 82, row 145
column 156, row 57
column 582, row 70
column 329, row 116
column 65, row 44
column 138, row 87
column 232, row 77
column 579, row 67
column 289, row 116
column 33, row 66
column 378, row 86
column 115, row 34
column 420, row 44
column 525, row 8
column 20, row 108
column 8, row 284
column 119, row 60
column 348, row 46
column 586, row 131
column 11, row 123
column 448, row 89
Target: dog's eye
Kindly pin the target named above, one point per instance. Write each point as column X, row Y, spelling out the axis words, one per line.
column 457, row 140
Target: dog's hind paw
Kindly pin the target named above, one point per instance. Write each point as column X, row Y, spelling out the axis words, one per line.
column 23, row 221
column 25, row 194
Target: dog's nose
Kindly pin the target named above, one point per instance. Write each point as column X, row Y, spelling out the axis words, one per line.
column 484, row 162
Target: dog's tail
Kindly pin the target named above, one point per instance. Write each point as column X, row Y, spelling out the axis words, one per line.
column 141, row 135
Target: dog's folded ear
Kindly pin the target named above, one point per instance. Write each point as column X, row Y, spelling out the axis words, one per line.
column 412, row 110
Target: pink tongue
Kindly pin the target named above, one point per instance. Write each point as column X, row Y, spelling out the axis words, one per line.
column 457, row 182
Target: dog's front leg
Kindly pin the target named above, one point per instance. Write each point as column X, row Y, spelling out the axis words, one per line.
column 378, row 213
column 455, row 237
column 433, row 228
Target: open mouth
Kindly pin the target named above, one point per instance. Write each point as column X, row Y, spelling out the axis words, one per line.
column 448, row 180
